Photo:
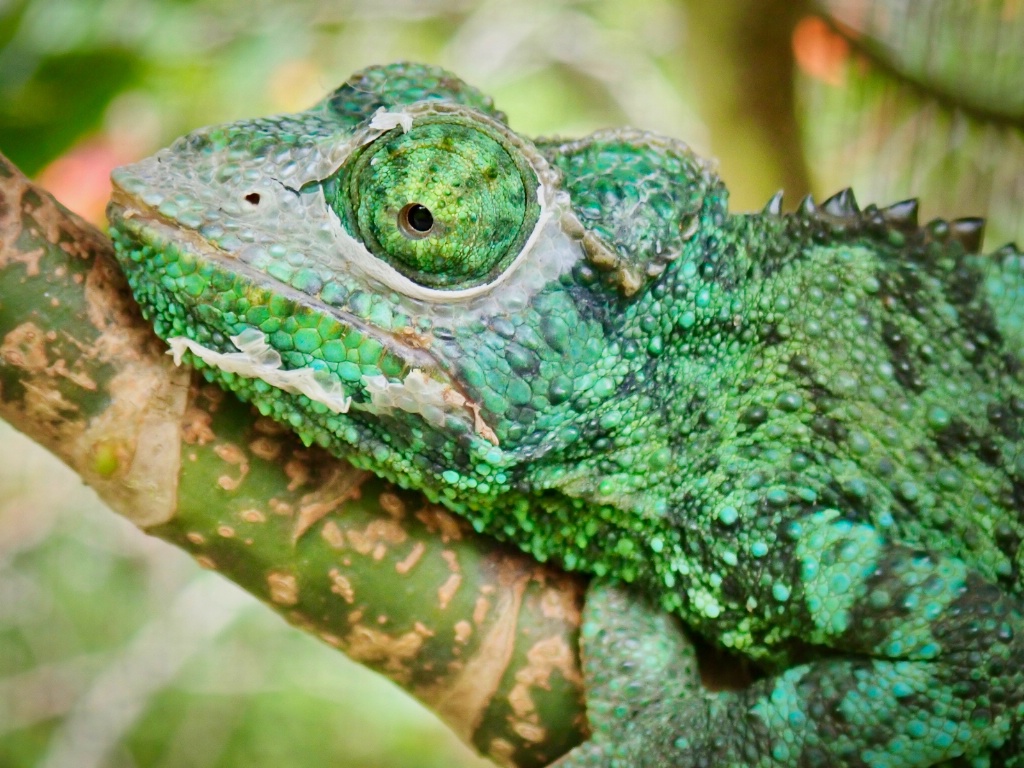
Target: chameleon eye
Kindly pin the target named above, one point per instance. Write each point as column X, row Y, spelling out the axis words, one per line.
column 448, row 204
column 415, row 221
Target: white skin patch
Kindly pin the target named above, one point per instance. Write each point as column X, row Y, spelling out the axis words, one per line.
column 418, row 393
column 255, row 359
column 384, row 121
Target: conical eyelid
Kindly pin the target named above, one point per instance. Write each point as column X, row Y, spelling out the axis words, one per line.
column 478, row 200
column 544, row 180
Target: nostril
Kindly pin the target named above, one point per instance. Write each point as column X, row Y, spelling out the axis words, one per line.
column 253, row 197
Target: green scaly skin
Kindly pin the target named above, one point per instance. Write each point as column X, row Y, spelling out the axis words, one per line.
column 798, row 433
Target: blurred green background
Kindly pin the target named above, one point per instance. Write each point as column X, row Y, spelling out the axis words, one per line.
column 116, row 650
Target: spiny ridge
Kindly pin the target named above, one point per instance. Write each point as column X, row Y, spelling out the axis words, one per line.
column 842, row 204
column 774, row 206
column 969, row 232
column 902, row 215
column 841, row 213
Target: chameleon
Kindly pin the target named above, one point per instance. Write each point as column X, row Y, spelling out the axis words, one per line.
column 796, row 435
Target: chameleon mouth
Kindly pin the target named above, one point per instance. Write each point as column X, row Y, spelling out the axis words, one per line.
column 220, row 314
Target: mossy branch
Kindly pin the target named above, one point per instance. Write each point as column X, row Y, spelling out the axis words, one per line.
column 481, row 634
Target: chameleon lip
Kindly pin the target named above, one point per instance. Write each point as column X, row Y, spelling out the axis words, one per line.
column 423, row 383
column 150, row 227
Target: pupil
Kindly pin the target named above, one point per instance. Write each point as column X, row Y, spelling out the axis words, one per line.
column 420, row 218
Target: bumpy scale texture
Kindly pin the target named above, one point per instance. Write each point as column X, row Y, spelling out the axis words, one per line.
column 799, row 433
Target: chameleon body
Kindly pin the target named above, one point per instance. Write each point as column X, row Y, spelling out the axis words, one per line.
column 800, row 433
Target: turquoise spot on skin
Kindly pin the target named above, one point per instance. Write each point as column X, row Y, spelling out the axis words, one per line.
column 370, row 352
column 610, row 420
column 307, row 281
column 518, row 392
column 382, row 315
column 857, row 487
column 938, row 417
column 849, row 552
column 354, row 340
column 281, row 341
column 556, row 333
column 495, row 403
column 928, row 651
column 943, row 740
column 728, row 515
column 472, row 373
column 450, row 476
column 660, row 459
column 194, row 285
column 879, row 599
column 560, row 389
column 908, row 490
column 391, row 367
column 790, row 401
column 901, row 690
column 281, row 271
column 307, row 340
column 780, row 752
column 859, row 443
column 350, row 372
column 333, row 294
column 333, row 351
column 807, row 494
column 949, row 479
column 840, row 583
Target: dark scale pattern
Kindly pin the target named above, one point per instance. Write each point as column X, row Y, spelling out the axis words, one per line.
column 800, row 434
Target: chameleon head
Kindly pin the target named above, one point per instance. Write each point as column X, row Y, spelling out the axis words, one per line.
column 403, row 279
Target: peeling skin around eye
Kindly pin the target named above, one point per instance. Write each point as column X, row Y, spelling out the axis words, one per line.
column 385, row 121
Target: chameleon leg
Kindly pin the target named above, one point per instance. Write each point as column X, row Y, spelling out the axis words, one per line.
column 636, row 659
column 929, row 668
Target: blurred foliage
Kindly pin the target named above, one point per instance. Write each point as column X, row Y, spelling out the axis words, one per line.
column 117, row 651
column 905, row 98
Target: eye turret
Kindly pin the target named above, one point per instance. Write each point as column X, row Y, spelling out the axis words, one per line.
column 448, row 203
